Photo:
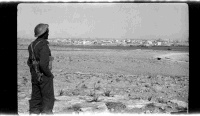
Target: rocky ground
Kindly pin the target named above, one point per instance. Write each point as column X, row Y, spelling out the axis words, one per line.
column 117, row 81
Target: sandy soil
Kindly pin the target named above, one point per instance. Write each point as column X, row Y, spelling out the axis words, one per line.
column 179, row 57
column 124, row 81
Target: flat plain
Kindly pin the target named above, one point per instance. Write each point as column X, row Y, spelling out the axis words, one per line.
column 110, row 80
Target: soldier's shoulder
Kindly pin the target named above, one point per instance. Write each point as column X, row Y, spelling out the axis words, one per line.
column 44, row 45
column 41, row 42
column 45, row 41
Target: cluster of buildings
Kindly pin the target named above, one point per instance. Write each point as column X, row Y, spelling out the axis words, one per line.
column 124, row 42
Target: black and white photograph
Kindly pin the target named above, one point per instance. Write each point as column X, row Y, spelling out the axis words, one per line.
column 124, row 58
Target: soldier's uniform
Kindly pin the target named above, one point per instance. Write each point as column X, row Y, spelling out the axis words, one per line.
column 42, row 97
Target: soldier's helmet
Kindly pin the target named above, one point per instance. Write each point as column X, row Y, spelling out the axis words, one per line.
column 40, row 29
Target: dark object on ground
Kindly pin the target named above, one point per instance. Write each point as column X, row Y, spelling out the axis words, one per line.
column 158, row 58
column 169, row 49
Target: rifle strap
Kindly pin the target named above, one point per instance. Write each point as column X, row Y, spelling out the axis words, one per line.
column 33, row 56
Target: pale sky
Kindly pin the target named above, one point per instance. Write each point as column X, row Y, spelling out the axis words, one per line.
column 105, row 20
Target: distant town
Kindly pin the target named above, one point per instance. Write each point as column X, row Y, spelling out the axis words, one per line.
column 115, row 42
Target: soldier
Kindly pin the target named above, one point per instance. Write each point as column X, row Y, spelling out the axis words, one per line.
column 42, row 96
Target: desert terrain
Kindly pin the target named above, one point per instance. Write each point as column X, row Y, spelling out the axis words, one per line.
column 114, row 81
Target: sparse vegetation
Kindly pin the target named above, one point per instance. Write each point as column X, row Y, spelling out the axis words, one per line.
column 94, row 95
column 61, row 93
column 75, row 108
column 93, row 89
column 91, row 94
column 107, row 93
column 95, row 98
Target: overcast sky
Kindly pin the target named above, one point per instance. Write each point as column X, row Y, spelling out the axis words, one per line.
column 106, row 20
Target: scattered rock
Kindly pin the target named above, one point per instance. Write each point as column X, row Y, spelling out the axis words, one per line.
column 84, row 86
column 76, row 92
column 115, row 106
column 180, row 103
column 118, row 98
column 102, row 107
column 161, row 100
column 75, row 108
column 150, row 106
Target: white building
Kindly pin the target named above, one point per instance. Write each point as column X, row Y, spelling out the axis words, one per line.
column 159, row 43
column 149, row 42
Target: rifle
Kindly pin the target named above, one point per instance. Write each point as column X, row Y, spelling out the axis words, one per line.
column 36, row 64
